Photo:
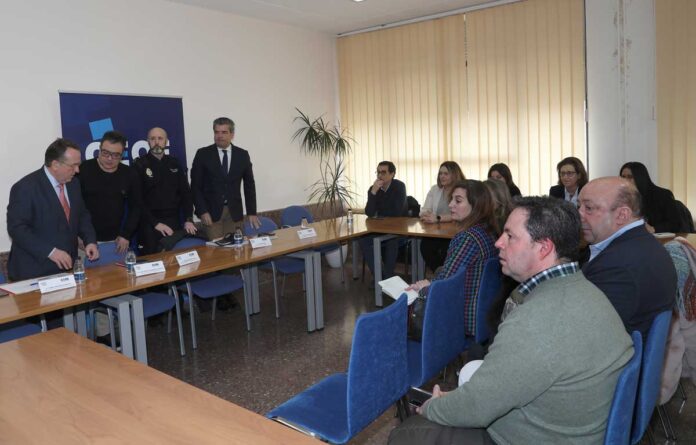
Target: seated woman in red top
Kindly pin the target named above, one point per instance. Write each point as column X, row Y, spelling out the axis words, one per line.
column 472, row 208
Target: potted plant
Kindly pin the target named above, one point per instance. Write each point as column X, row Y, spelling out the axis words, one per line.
column 331, row 143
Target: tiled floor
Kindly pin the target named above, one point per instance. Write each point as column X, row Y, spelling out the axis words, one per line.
column 278, row 358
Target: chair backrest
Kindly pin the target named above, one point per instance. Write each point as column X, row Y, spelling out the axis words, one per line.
column 488, row 289
column 267, row 225
column 686, row 220
column 186, row 242
column 292, row 216
column 378, row 371
column 412, row 206
column 2, row 277
column 107, row 255
column 624, row 401
column 443, row 326
column 650, row 374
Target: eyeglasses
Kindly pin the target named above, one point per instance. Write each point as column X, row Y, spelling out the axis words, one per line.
column 568, row 173
column 109, row 154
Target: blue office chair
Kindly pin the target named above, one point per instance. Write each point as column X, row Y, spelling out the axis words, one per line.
column 443, row 331
column 341, row 405
column 16, row 329
column 292, row 217
column 624, row 402
column 488, row 290
column 210, row 286
column 107, row 255
column 651, row 373
column 154, row 303
column 285, row 265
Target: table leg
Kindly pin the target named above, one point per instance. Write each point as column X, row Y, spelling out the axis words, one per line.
column 81, row 322
column 194, row 340
column 417, row 261
column 138, row 323
column 254, row 276
column 318, row 291
column 69, row 319
column 377, row 251
column 354, row 254
column 310, row 285
column 179, row 323
column 246, row 277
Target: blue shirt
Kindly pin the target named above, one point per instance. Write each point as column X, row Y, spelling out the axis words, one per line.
column 597, row 248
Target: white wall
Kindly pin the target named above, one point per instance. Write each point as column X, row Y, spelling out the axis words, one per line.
column 621, row 85
column 253, row 71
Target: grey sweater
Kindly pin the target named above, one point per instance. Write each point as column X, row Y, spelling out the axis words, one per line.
column 550, row 374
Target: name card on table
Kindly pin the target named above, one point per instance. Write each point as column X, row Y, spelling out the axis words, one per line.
column 307, row 233
column 149, row 268
column 56, row 283
column 187, row 258
column 261, row 241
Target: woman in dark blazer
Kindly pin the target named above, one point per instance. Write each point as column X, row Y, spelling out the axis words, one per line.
column 572, row 176
column 501, row 172
column 659, row 206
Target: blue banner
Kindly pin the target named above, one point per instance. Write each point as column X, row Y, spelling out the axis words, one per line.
column 86, row 117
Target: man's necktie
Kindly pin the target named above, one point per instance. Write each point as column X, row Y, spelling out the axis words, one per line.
column 224, row 161
column 63, row 201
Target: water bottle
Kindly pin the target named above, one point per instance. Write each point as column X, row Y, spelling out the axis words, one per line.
column 79, row 271
column 349, row 218
column 304, row 224
column 238, row 238
column 130, row 261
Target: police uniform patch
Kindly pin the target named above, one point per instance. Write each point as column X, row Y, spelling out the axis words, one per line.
column 173, row 170
column 148, row 172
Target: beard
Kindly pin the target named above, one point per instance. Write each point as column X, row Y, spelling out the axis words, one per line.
column 157, row 150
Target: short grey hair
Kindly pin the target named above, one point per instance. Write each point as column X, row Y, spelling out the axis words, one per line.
column 224, row 121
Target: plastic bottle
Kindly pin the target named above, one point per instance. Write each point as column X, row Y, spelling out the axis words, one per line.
column 130, row 261
column 238, row 238
column 79, row 271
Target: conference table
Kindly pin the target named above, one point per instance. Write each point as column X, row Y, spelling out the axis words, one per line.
column 113, row 285
column 60, row 388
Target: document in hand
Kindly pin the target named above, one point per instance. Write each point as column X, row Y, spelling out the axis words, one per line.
column 395, row 286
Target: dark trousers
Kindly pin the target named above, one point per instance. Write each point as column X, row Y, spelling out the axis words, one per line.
column 148, row 237
column 434, row 252
column 417, row 430
column 390, row 249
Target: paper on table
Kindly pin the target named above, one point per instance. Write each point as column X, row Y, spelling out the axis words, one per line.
column 22, row 287
column 395, row 286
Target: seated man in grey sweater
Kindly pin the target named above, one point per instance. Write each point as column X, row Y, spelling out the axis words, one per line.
column 550, row 374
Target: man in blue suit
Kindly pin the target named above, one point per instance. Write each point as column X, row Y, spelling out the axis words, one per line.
column 626, row 261
column 217, row 174
column 46, row 215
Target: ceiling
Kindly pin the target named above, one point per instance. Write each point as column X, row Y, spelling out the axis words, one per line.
column 335, row 16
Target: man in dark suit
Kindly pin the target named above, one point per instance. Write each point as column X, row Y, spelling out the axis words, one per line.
column 626, row 262
column 386, row 197
column 46, row 214
column 217, row 174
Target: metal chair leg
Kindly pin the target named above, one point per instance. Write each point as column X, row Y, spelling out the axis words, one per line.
column 683, row 395
column 169, row 322
column 666, row 423
column 192, row 315
column 112, row 328
column 275, row 289
column 179, row 322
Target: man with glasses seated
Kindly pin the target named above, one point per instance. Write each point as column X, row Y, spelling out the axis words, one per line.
column 46, row 214
column 109, row 188
column 386, row 197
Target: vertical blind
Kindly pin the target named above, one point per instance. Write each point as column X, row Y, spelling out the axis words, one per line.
column 504, row 84
column 676, row 97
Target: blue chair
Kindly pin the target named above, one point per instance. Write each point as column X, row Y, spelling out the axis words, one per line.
column 341, row 405
column 154, row 303
column 651, row 373
column 210, row 286
column 107, row 255
column 285, row 265
column 292, row 216
column 443, row 331
column 488, row 289
column 16, row 329
column 624, row 402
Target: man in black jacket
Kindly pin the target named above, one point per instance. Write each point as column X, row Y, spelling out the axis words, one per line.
column 166, row 194
column 626, row 262
column 217, row 174
column 386, row 197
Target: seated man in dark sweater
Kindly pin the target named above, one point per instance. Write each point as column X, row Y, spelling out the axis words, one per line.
column 109, row 189
column 550, row 374
column 386, row 197
column 625, row 261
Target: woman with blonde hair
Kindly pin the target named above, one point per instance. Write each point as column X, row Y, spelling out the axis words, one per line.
column 435, row 210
